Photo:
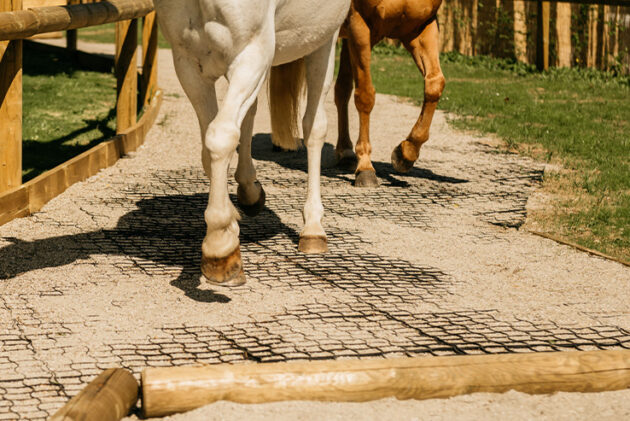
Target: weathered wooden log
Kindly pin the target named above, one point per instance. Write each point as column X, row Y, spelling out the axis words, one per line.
column 25, row 23
column 109, row 397
column 149, row 58
column 126, row 69
column 10, row 108
column 177, row 389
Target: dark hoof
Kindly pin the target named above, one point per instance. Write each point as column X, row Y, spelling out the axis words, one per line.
column 399, row 163
column 313, row 244
column 276, row 148
column 366, row 178
column 347, row 162
column 255, row 208
column 224, row 271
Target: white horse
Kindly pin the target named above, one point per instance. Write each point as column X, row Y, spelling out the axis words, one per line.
column 242, row 40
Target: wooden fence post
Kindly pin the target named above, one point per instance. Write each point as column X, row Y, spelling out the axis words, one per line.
column 126, row 74
column 542, row 38
column 10, row 107
column 72, row 34
column 149, row 57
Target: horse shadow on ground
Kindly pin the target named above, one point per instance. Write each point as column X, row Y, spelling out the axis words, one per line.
column 165, row 231
column 263, row 150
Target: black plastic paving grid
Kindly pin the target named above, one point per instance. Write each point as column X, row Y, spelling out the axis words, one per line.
column 160, row 235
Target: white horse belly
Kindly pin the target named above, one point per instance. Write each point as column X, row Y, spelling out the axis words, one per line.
column 303, row 26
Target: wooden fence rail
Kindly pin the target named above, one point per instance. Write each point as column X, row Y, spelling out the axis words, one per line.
column 17, row 199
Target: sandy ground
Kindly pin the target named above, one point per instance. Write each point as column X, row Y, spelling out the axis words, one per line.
column 107, row 275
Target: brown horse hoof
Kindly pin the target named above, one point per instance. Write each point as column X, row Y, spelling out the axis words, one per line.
column 224, row 271
column 256, row 207
column 313, row 244
column 399, row 162
column 366, row 178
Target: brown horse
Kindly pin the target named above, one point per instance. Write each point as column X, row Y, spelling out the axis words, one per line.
column 414, row 23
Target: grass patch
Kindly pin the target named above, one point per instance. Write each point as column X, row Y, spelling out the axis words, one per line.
column 106, row 34
column 575, row 117
column 66, row 111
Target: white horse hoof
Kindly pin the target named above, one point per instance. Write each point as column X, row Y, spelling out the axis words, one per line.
column 224, row 271
column 313, row 244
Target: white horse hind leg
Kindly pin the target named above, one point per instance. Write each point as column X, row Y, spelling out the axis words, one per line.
column 250, row 194
column 320, row 67
column 201, row 93
column 221, row 257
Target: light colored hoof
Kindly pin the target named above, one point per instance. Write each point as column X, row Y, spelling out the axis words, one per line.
column 399, row 162
column 366, row 178
column 224, row 271
column 255, row 208
column 313, row 244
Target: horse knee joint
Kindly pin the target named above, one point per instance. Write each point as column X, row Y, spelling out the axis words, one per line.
column 433, row 87
column 364, row 99
column 221, row 138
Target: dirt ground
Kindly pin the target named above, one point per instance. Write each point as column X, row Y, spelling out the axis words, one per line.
column 434, row 262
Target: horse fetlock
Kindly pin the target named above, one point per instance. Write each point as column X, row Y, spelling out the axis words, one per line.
column 346, row 159
column 251, row 199
column 404, row 156
column 224, row 271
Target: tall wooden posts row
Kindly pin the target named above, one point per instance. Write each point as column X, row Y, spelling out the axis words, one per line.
column 10, row 107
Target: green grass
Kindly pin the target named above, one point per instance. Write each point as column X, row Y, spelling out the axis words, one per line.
column 577, row 118
column 66, row 111
column 106, row 34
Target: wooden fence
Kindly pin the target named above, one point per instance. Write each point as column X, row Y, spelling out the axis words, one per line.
column 563, row 33
column 17, row 199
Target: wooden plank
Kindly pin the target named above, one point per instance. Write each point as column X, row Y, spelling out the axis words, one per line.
column 149, row 58
column 520, row 31
column 45, row 187
column 563, row 31
column 109, row 397
column 542, row 35
column 26, row 23
column 126, row 74
column 13, row 204
column 177, row 389
column 10, row 108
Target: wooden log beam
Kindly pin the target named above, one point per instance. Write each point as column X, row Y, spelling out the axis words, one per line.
column 149, row 58
column 126, row 74
column 177, row 389
column 26, row 23
column 10, row 108
column 109, row 397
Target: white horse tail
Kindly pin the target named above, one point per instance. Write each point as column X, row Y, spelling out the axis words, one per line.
column 286, row 86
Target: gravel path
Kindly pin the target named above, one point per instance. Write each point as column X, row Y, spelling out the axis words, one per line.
column 430, row 263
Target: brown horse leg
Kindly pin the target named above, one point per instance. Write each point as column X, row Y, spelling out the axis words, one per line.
column 364, row 95
column 425, row 52
column 343, row 88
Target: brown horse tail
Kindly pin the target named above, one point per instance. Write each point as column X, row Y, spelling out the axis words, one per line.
column 286, row 85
